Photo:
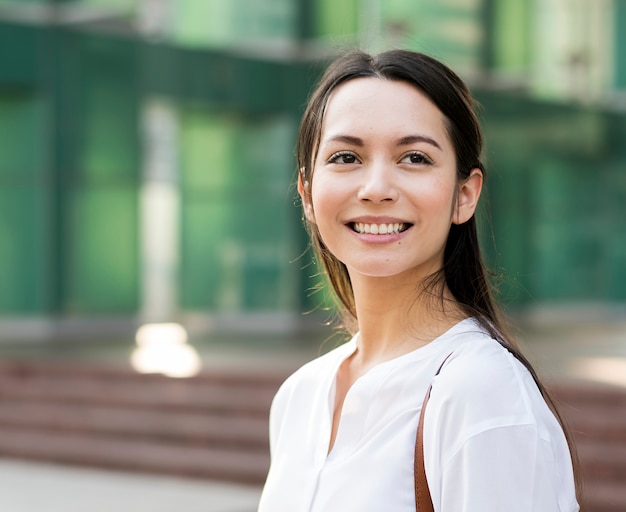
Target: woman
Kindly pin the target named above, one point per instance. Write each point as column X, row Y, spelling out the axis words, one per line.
column 390, row 177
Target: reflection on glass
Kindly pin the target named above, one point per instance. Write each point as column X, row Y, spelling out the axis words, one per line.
column 163, row 348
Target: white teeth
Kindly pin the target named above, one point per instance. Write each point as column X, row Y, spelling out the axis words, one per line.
column 378, row 229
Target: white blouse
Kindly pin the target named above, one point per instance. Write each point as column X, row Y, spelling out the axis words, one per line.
column 490, row 441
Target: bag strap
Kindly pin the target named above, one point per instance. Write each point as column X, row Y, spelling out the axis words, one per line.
column 423, row 500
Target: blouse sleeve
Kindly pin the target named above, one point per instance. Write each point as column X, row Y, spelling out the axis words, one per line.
column 491, row 442
column 277, row 411
column 506, row 468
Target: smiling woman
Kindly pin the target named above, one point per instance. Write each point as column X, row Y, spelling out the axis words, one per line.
column 390, row 177
column 373, row 170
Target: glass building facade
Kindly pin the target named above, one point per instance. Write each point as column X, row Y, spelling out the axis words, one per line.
column 146, row 147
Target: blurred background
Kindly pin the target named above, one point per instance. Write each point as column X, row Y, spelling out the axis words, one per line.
column 146, row 177
column 146, row 151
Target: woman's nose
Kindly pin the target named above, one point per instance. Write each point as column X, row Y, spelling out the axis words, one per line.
column 377, row 185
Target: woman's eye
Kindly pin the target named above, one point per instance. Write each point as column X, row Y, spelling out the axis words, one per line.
column 343, row 158
column 417, row 158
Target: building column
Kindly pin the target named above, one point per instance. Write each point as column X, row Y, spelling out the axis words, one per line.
column 159, row 212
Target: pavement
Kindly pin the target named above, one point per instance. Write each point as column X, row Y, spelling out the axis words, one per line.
column 39, row 487
column 570, row 346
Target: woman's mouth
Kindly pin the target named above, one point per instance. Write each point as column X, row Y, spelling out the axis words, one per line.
column 379, row 229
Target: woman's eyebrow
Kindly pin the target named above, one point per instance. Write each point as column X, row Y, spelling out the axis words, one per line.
column 404, row 141
column 348, row 139
column 412, row 139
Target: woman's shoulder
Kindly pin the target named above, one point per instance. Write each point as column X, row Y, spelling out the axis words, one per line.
column 481, row 359
column 475, row 356
column 482, row 378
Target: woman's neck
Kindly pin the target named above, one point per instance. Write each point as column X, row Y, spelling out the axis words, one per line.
column 396, row 317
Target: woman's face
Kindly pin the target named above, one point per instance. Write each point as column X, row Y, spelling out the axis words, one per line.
column 384, row 190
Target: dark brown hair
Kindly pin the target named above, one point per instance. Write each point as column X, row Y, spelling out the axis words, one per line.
column 463, row 271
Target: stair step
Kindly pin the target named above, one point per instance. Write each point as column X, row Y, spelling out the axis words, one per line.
column 94, row 371
column 184, row 427
column 245, row 466
column 602, row 462
column 604, row 497
column 580, row 394
column 601, row 423
column 167, row 395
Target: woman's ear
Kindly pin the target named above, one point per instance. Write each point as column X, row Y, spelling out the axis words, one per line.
column 304, row 189
column 467, row 199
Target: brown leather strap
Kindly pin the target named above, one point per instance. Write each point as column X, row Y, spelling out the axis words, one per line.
column 423, row 500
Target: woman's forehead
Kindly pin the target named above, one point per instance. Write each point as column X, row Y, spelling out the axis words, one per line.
column 375, row 106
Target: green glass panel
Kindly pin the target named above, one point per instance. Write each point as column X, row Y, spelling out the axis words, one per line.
column 614, row 232
column 266, row 217
column 23, row 207
column 450, row 31
column 23, row 255
column 237, row 225
column 202, row 22
column 505, row 239
column 565, row 243
column 233, row 23
column 335, row 19
column 266, row 155
column 110, row 135
column 265, row 19
column 512, row 35
column 206, row 145
column 20, row 1
column 118, row 5
column 557, row 192
column 20, row 54
column 101, row 255
column 23, row 144
column 204, row 240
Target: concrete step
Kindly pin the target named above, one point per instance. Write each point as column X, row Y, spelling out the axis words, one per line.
column 578, row 393
column 603, row 424
column 602, row 462
column 212, row 426
column 245, row 466
column 231, row 376
column 190, row 394
column 604, row 497
column 191, row 428
column 596, row 415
